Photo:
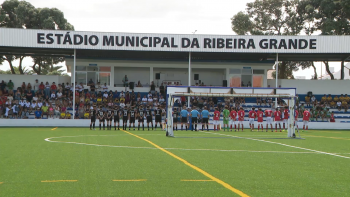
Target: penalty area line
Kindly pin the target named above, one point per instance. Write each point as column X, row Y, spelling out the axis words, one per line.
column 54, row 181
column 197, row 180
column 131, row 180
column 226, row 185
column 307, row 149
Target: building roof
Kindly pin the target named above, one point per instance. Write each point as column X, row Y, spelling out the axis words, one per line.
column 174, row 47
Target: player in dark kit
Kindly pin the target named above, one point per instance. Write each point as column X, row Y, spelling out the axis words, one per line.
column 132, row 115
column 141, row 116
column 175, row 116
column 116, row 114
column 149, row 117
column 125, row 117
column 158, row 114
column 101, row 117
column 109, row 118
column 93, row 117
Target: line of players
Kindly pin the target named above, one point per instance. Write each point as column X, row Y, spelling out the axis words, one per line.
column 127, row 115
column 236, row 118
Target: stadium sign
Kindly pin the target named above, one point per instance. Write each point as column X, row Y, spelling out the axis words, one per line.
column 172, row 42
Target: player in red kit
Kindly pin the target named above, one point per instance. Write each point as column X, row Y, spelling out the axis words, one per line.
column 285, row 117
column 233, row 117
column 240, row 117
column 306, row 118
column 268, row 114
column 296, row 114
column 216, row 119
column 277, row 114
column 260, row 115
column 252, row 116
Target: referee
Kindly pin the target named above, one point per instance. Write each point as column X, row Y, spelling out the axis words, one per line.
column 184, row 116
column 195, row 116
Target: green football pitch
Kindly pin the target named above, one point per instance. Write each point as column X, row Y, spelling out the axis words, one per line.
column 80, row 162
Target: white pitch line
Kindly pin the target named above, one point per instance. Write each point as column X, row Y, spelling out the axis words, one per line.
column 320, row 152
column 185, row 149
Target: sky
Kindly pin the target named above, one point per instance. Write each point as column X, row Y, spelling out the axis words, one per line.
column 151, row 16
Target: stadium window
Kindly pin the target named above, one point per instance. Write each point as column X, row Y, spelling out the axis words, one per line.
column 97, row 74
column 258, row 72
column 105, row 69
column 104, row 78
column 92, row 68
column 80, row 77
column 235, row 71
column 246, row 71
column 81, row 68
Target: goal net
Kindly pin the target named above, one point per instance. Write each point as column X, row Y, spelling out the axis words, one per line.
column 176, row 94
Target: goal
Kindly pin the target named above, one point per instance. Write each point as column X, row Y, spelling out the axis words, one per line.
column 175, row 92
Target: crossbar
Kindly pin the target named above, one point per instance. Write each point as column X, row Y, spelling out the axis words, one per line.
column 232, row 95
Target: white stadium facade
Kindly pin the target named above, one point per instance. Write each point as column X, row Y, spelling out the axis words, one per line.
column 186, row 59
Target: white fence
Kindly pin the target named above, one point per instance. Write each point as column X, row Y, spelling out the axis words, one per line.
column 19, row 79
column 85, row 123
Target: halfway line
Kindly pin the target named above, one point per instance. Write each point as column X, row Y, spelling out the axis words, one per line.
column 226, row 185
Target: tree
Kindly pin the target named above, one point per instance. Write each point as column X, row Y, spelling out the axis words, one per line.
column 16, row 70
column 43, row 65
column 330, row 17
column 22, row 14
column 286, row 69
column 271, row 17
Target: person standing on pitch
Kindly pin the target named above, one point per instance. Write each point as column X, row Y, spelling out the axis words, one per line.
column 116, row 114
column 241, row 115
column 175, row 116
column 285, row 117
column 93, row 117
column 268, row 114
column 252, row 116
column 306, row 118
column 205, row 118
column 141, row 116
column 158, row 118
column 226, row 117
column 149, row 117
column 125, row 117
column 184, row 116
column 296, row 115
column 101, row 117
column 164, row 120
column 195, row 116
column 233, row 116
column 277, row 115
column 109, row 118
column 216, row 119
column 260, row 114
column 132, row 114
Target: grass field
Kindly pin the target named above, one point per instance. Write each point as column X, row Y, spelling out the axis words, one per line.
column 79, row 162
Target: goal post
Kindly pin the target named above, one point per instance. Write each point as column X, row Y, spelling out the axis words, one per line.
column 287, row 94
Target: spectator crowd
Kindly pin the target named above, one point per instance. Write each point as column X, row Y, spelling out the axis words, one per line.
column 50, row 100
column 45, row 100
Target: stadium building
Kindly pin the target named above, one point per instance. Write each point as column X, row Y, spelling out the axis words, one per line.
column 176, row 59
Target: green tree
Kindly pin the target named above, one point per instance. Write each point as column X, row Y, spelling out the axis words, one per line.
column 272, row 17
column 328, row 16
column 42, row 65
column 16, row 70
column 22, row 14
